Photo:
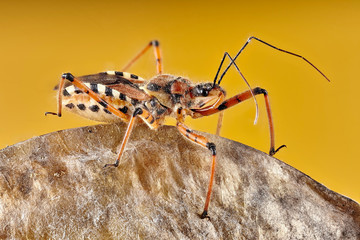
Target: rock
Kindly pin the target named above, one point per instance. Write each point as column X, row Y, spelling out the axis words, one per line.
column 55, row 187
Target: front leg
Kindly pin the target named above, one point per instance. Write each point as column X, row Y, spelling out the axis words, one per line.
column 238, row 99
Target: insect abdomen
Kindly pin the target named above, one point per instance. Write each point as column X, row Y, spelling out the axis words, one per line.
column 82, row 104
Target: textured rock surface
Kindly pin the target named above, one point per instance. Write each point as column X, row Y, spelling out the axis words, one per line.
column 54, row 186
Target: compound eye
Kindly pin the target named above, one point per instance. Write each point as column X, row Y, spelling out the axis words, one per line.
column 201, row 90
column 204, row 92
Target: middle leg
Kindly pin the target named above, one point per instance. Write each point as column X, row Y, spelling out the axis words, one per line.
column 189, row 134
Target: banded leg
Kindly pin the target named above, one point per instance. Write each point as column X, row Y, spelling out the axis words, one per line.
column 242, row 97
column 155, row 44
column 149, row 119
column 189, row 134
column 76, row 82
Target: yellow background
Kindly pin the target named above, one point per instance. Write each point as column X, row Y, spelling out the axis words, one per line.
column 317, row 120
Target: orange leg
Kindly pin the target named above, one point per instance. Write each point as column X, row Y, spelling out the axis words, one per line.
column 242, row 97
column 157, row 53
column 146, row 116
column 60, row 90
column 126, row 137
column 219, row 124
column 189, row 134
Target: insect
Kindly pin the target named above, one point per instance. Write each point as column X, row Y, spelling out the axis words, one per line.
column 114, row 96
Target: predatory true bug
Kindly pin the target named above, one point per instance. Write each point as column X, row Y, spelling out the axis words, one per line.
column 114, row 96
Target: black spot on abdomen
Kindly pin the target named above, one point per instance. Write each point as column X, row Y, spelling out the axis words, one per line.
column 70, row 105
column 94, row 108
column 81, row 106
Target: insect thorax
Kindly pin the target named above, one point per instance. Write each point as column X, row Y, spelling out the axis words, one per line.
column 171, row 91
column 178, row 92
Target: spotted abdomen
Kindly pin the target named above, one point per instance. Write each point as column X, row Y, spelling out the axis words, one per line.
column 78, row 102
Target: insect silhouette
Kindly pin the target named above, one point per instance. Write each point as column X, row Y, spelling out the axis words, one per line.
column 115, row 96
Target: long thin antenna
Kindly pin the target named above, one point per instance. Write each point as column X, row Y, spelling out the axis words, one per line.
column 226, row 54
column 272, row 46
column 218, row 71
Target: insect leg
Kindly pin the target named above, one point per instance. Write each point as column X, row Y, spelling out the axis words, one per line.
column 155, row 44
column 219, row 124
column 144, row 115
column 60, row 92
column 240, row 98
column 126, row 137
column 189, row 134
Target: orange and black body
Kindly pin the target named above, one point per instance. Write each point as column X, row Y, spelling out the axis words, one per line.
column 114, row 96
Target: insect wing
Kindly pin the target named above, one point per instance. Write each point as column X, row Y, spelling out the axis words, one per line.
column 112, row 77
column 122, row 83
column 108, row 78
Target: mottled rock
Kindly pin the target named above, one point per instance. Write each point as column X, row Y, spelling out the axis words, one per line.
column 54, row 186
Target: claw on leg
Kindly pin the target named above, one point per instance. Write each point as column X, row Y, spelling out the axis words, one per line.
column 116, row 164
column 273, row 151
column 204, row 215
column 52, row 113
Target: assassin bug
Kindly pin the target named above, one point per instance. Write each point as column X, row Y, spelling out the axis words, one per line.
column 114, row 96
